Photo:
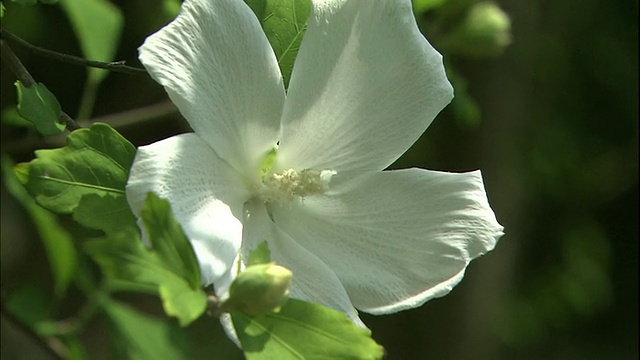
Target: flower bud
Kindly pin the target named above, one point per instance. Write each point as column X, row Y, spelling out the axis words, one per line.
column 485, row 31
column 259, row 289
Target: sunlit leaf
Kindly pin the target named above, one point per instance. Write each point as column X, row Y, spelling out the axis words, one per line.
column 302, row 330
column 259, row 255
column 170, row 265
column 38, row 105
column 95, row 162
column 57, row 242
column 284, row 22
column 168, row 239
column 143, row 336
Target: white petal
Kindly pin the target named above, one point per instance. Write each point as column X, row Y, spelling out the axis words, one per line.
column 397, row 238
column 365, row 86
column 312, row 280
column 217, row 66
column 206, row 196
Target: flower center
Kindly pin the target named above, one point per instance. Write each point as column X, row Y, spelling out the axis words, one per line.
column 282, row 187
column 279, row 188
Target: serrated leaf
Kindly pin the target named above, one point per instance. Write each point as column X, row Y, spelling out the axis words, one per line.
column 143, row 336
column 170, row 265
column 168, row 239
column 38, row 105
column 302, row 330
column 260, row 255
column 95, row 162
column 284, row 22
column 123, row 257
column 58, row 244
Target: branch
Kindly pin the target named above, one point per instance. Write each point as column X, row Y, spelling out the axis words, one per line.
column 116, row 66
column 22, row 74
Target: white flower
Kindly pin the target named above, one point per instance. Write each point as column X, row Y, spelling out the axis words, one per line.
column 365, row 86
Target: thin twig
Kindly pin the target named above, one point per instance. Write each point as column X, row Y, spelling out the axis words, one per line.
column 22, row 74
column 135, row 116
column 116, row 66
column 119, row 121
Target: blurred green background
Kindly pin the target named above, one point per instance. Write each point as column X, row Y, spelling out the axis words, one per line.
column 552, row 121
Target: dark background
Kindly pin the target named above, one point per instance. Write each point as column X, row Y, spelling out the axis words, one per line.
column 558, row 147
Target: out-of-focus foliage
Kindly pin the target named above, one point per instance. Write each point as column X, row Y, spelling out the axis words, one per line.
column 98, row 25
column 551, row 119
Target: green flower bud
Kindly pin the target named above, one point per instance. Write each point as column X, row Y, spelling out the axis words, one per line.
column 485, row 31
column 259, row 289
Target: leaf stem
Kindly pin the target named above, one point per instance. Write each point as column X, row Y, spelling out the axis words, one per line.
column 23, row 75
column 116, row 66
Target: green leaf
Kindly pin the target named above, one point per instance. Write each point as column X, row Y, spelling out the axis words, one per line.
column 123, row 257
column 108, row 213
column 28, row 304
column 284, row 22
column 143, row 336
column 259, row 255
column 57, row 242
column 25, row 2
column 95, row 162
column 168, row 239
column 420, row 6
column 11, row 117
column 87, row 17
column 38, row 105
column 170, row 265
column 302, row 330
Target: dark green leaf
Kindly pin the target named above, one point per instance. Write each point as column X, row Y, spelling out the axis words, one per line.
column 25, row 2
column 107, row 213
column 420, row 6
column 57, row 242
column 38, row 105
column 143, row 336
column 29, row 305
column 95, row 162
column 302, row 330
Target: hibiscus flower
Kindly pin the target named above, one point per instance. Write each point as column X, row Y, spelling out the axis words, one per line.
column 304, row 170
